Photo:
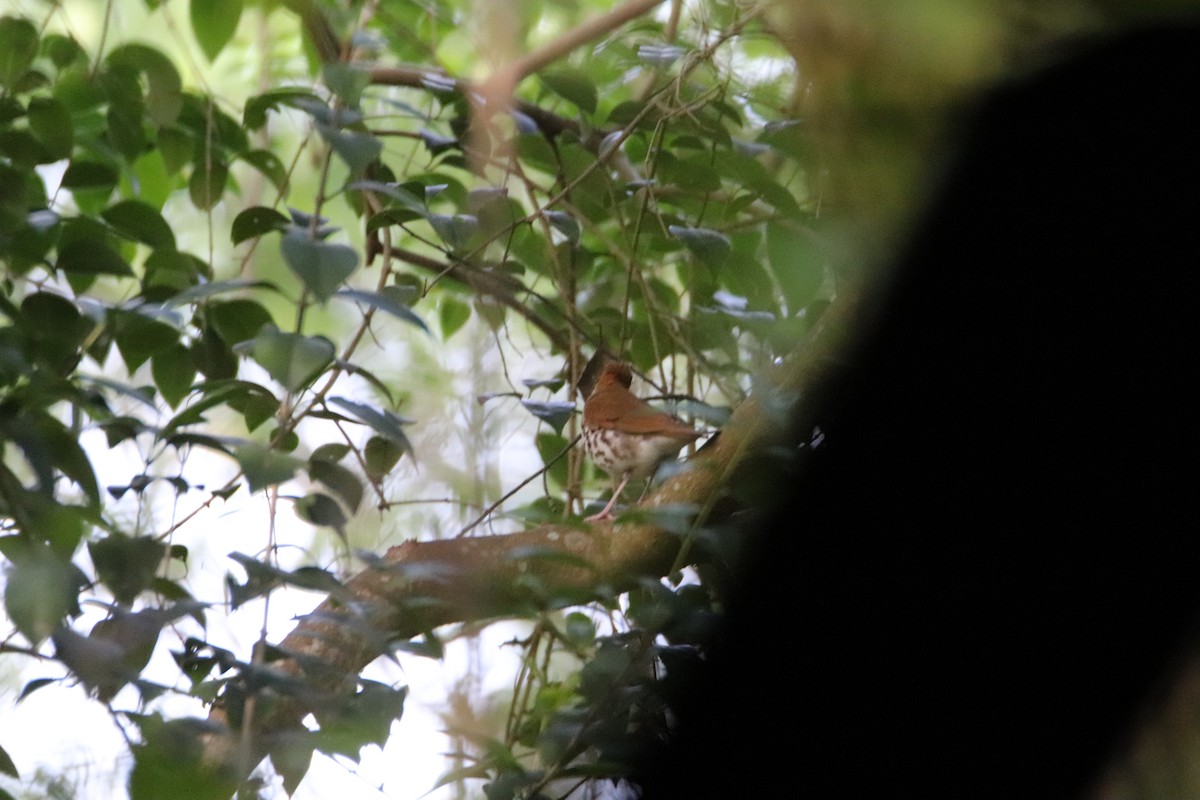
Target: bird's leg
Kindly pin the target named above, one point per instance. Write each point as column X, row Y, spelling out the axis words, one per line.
column 607, row 512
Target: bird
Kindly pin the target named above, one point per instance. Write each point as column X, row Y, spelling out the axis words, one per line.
column 626, row 436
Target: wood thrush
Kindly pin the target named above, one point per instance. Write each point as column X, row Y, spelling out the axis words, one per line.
column 626, row 436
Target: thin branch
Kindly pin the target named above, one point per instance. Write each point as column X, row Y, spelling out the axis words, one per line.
column 492, row 285
column 549, row 123
column 578, row 36
column 487, row 512
column 325, row 42
column 420, row 585
column 320, row 33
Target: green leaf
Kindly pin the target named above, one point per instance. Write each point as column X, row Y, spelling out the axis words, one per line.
column 170, row 761
column 208, row 123
column 380, row 456
column 788, row 136
column 238, row 395
column 213, row 355
column 361, row 719
column 356, row 149
column 84, row 174
column 778, row 196
column 114, row 653
column 739, row 308
column 125, row 116
column 49, row 446
column 797, row 262
column 173, row 373
column 51, row 123
column 255, row 221
column 392, row 215
column 262, row 578
column 254, row 113
column 14, row 547
column 456, row 230
column 746, row 272
column 138, row 394
column 322, row 266
column 18, row 47
column 7, row 766
column 553, row 384
column 436, row 142
column 401, row 195
column 121, row 428
column 40, row 592
column 164, row 97
column 30, row 243
column 565, row 224
column 331, row 452
column 30, row 688
column 551, row 446
column 23, row 149
column 490, row 311
column 556, row 413
column 55, row 329
column 572, row 85
column 255, row 408
column 292, row 359
column 214, row 22
column 71, row 460
column 268, row 164
column 265, row 467
column 140, row 335
column 710, row 247
column 385, row 300
column 322, row 510
column 579, row 629
column 237, row 320
column 168, row 272
column 127, row 566
column 458, row 774
column 62, row 50
column 207, row 183
column 206, row 290
column 175, row 148
column 91, row 257
column 692, row 174
column 291, row 756
column 140, row 222
column 344, row 483
column 382, row 421
column 452, row 315
column 346, row 81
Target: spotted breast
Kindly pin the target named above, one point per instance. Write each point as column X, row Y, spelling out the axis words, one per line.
column 626, row 436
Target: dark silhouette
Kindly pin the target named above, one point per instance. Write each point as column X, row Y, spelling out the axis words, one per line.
column 984, row 574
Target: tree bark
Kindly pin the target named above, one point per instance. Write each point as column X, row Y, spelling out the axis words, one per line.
column 420, row 585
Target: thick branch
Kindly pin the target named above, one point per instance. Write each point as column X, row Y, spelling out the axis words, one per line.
column 581, row 34
column 324, row 40
column 318, row 30
column 418, row 586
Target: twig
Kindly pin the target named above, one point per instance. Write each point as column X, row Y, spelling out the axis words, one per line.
column 579, row 35
column 487, row 512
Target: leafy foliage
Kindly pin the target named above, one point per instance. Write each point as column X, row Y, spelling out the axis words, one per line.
column 640, row 196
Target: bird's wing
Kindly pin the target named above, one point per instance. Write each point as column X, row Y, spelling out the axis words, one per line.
column 624, row 412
